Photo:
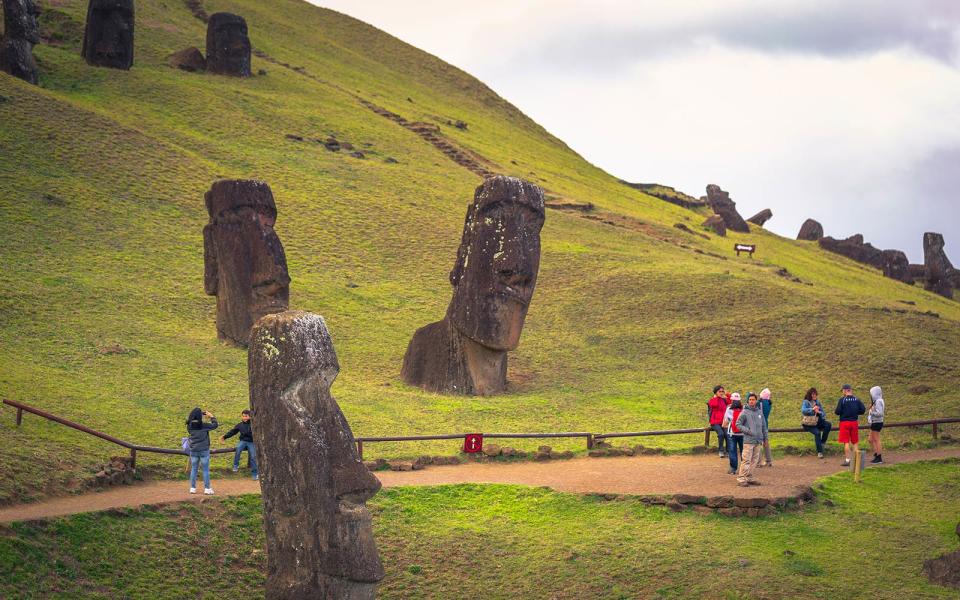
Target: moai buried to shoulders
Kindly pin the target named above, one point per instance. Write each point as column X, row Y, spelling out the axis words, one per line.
column 319, row 532
column 228, row 46
column 108, row 38
column 21, row 31
column 493, row 282
column 244, row 263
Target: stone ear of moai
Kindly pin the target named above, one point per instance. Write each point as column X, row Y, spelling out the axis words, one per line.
column 228, row 46
column 21, row 32
column 319, row 532
column 245, row 266
column 493, row 283
column 108, row 37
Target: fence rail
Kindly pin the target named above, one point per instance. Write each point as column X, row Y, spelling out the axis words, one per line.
column 591, row 438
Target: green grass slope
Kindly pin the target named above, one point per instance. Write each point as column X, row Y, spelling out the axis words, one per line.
column 103, row 317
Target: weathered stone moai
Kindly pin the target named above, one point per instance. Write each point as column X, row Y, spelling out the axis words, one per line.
column 244, row 263
column 319, row 535
column 108, row 38
column 716, row 224
column 228, row 47
column 810, row 231
column 854, row 248
column 493, row 282
column 761, row 217
column 21, row 31
column 939, row 272
column 721, row 204
column 896, row 266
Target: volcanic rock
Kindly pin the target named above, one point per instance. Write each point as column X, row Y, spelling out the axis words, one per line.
column 939, row 271
column 108, row 38
column 493, row 282
column 721, row 204
column 228, row 47
column 319, row 533
column 761, row 217
column 944, row 570
column 810, row 230
column 189, row 59
column 854, row 248
column 21, row 33
column 717, row 224
column 896, row 266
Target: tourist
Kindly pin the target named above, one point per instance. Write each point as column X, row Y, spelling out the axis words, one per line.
column 813, row 421
column 849, row 407
column 765, row 405
column 246, row 443
column 875, row 419
column 200, row 447
column 734, row 435
column 716, row 407
column 754, row 429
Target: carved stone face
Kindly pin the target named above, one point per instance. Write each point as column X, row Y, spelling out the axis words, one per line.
column 497, row 262
column 108, row 40
column 20, row 20
column 244, row 263
column 319, row 533
column 228, row 47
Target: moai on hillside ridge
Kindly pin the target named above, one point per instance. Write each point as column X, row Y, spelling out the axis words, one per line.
column 721, row 204
column 939, row 271
column 228, row 46
column 21, row 32
column 108, row 37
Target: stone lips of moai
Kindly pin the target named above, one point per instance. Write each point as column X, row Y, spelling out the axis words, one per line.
column 244, row 263
column 811, row 230
column 721, row 204
column 939, row 271
column 228, row 47
column 319, row 534
column 108, row 38
column 21, row 32
column 493, row 280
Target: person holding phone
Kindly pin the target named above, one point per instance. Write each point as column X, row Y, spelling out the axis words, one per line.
column 199, row 433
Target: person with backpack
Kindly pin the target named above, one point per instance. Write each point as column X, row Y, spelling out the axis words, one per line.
column 716, row 407
column 734, row 435
column 849, row 407
column 813, row 421
column 766, row 405
column 754, row 428
column 245, row 429
column 199, row 433
column 875, row 419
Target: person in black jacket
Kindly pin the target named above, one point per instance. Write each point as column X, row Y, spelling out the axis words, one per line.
column 200, row 447
column 849, row 407
column 245, row 429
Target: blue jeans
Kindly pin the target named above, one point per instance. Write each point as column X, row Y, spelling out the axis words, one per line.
column 251, row 449
column 201, row 459
column 734, row 448
column 721, row 437
column 821, row 431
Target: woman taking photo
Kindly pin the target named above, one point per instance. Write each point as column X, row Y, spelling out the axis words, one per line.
column 199, row 433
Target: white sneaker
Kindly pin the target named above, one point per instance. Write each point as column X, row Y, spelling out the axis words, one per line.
column 193, row 490
column 208, row 491
column 819, row 454
column 235, row 469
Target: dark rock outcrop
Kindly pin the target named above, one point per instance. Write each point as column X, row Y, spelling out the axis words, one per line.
column 854, row 248
column 721, row 204
column 244, row 263
column 761, row 217
column 717, row 224
column 21, row 31
column 896, row 266
column 319, row 532
column 228, row 47
column 493, row 282
column 189, row 59
column 939, row 272
column 810, row 231
column 108, row 38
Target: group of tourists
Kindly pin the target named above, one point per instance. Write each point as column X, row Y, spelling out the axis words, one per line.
column 197, row 444
column 743, row 434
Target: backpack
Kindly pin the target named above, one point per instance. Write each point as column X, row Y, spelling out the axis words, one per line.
column 185, row 444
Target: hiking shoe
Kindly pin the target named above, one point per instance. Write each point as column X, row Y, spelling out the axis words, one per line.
column 731, row 471
column 721, row 455
column 877, row 460
column 770, row 465
column 743, row 484
column 819, row 454
column 256, row 478
column 193, row 490
column 235, row 469
column 753, row 482
column 845, row 463
column 208, row 491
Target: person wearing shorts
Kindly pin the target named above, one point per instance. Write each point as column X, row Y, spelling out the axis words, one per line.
column 875, row 419
column 849, row 408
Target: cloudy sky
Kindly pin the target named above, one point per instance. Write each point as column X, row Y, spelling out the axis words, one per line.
column 847, row 111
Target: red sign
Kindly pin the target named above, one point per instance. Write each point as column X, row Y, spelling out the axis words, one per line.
column 473, row 443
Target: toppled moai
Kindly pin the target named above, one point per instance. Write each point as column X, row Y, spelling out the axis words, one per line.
column 811, row 231
column 761, row 217
column 896, row 266
column 939, row 272
column 108, row 38
column 228, row 47
column 716, row 224
column 318, row 530
column 244, row 263
column 493, row 282
column 21, row 31
column 721, row 204
column 854, row 248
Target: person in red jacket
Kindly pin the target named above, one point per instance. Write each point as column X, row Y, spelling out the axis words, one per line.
column 716, row 407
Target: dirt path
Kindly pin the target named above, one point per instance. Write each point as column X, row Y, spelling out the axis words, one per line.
column 697, row 475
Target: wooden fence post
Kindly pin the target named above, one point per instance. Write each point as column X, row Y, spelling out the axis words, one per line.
column 360, row 449
column 936, row 432
column 133, row 458
column 589, row 441
column 19, row 416
column 706, row 437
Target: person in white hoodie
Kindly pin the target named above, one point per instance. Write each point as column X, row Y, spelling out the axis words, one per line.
column 875, row 419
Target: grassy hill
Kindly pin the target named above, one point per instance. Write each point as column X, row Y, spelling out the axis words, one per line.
column 103, row 318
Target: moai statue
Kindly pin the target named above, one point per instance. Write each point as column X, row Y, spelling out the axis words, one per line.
column 493, row 282
column 939, row 271
column 108, row 38
column 319, row 535
column 761, row 217
column 228, row 47
column 244, row 263
column 21, row 32
column 811, row 230
column 896, row 266
column 721, row 204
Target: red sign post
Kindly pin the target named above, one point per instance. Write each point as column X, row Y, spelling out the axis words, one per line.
column 473, row 443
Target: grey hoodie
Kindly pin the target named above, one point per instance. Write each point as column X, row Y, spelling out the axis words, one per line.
column 876, row 409
column 752, row 424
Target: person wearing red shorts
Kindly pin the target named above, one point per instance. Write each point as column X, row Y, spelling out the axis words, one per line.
column 849, row 407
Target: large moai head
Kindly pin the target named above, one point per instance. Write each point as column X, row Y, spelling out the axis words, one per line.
column 319, row 535
column 108, row 38
column 939, row 269
column 811, row 230
column 21, row 20
column 497, row 262
column 721, row 204
column 228, row 47
column 244, row 263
